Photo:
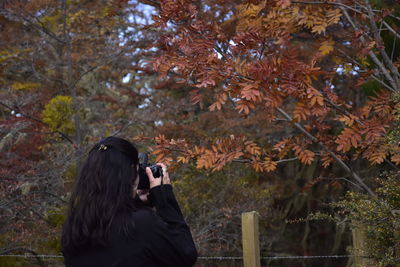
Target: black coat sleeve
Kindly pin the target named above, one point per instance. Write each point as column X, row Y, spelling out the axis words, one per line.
column 171, row 243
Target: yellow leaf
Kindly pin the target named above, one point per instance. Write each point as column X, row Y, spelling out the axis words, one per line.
column 326, row 47
column 319, row 28
column 183, row 159
column 58, row 114
column 25, row 86
column 337, row 60
column 364, row 61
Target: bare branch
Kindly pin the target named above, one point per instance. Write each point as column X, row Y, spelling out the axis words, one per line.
column 344, row 179
column 17, row 109
column 105, row 60
column 42, row 28
column 153, row 3
column 381, row 49
column 287, row 160
column 327, row 3
column 391, row 29
column 9, row 250
column 372, row 75
column 372, row 55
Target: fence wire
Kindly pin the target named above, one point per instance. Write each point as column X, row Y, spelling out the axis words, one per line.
column 31, row 256
column 278, row 257
column 204, row 258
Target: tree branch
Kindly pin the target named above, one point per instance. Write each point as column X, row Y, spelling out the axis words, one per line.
column 63, row 135
column 344, row 179
column 371, row 54
column 379, row 41
column 42, row 28
column 338, row 160
column 386, row 24
column 372, row 75
column 153, row 3
column 105, row 60
column 8, row 250
column 327, row 3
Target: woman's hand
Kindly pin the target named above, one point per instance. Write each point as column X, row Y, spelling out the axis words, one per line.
column 157, row 181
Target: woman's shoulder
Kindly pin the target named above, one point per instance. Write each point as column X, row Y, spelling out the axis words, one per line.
column 143, row 213
column 145, row 217
column 140, row 222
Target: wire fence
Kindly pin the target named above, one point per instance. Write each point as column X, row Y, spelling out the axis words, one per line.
column 279, row 257
column 202, row 261
column 203, row 257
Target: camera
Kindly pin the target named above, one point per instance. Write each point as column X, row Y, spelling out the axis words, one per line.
column 156, row 170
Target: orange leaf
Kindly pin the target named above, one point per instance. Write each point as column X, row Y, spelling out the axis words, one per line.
column 396, row 159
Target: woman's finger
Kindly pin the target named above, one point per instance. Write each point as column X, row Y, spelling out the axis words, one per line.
column 149, row 174
column 166, row 179
column 164, row 168
column 153, row 181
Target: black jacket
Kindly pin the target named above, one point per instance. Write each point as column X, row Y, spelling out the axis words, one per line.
column 160, row 238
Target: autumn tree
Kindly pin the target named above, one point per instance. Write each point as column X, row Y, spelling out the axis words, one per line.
column 257, row 66
column 71, row 72
column 274, row 84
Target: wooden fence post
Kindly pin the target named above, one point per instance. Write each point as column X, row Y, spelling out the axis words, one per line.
column 397, row 239
column 359, row 247
column 250, row 239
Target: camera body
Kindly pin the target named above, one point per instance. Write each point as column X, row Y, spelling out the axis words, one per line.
column 156, row 170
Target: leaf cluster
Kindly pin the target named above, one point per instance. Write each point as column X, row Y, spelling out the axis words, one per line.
column 378, row 217
column 58, row 114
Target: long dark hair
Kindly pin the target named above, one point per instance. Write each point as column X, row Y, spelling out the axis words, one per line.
column 102, row 193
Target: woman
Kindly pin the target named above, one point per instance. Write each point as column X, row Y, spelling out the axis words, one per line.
column 108, row 226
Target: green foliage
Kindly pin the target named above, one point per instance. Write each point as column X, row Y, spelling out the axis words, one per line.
column 370, row 87
column 53, row 21
column 11, row 262
column 58, row 114
column 56, row 216
column 379, row 216
column 10, row 54
column 70, row 174
column 25, row 85
column 393, row 136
